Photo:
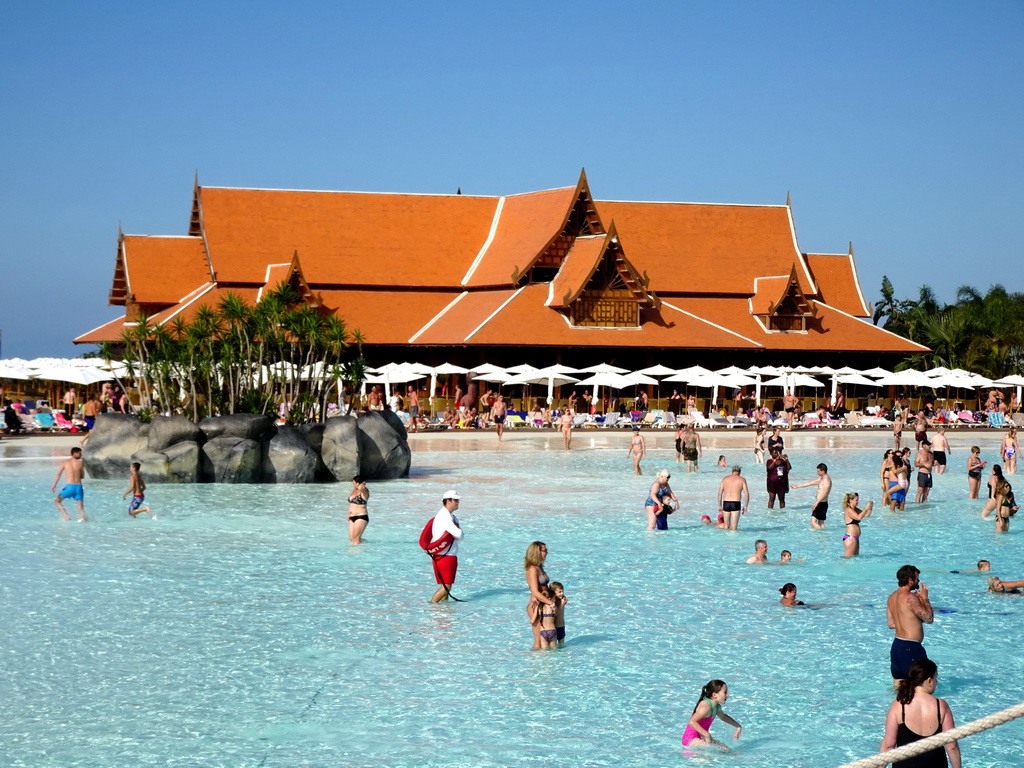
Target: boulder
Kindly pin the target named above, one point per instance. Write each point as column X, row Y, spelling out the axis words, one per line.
column 231, row 460
column 289, row 458
column 314, row 434
column 383, row 446
column 250, row 426
column 340, row 447
column 165, row 431
column 178, row 463
column 114, row 439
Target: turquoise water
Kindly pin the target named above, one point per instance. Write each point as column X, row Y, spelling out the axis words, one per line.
column 241, row 629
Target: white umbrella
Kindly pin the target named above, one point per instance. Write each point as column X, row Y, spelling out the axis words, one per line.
column 1010, row 381
column 8, row 371
column 767, row 370
column 551, row 375
column 603, row 368
column 796, row 380
column 846, row 371
column 639, row 378
column 605, row 379
column 856, row 378
column 877, row 372
column 730, row 370
column 70, row 373
column 485, row 368
column 522, row 368
column 908, row 378
column 657, row 370
column 497, row 377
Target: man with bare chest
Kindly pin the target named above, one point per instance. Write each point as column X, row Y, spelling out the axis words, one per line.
column 907, row 611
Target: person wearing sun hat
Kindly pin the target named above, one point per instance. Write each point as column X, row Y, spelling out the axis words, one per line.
column 446, row 562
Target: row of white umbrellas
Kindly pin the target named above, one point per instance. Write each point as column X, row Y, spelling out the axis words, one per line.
column 606, row 375
column 74, row 370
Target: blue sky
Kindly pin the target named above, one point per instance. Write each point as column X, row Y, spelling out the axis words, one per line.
column 896, row 126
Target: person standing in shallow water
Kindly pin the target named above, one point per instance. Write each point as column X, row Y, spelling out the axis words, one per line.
column 907, row 611
column 637, row 449
column 820, row 509
column 692, row 449
column 358, row 518
column 917, row 714
column 536, row 577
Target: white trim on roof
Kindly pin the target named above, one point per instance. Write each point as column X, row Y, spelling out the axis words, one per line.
column 437, row 317
column 495, row 312
column 266, row 277
column 487, row 243
column 871, row 325
column 799, row 254
column 708, row 322
column 202, row 230
column 856, row 283
column 689, row 202
column 187, row 302
column 127, row 277
column 353, row 192
column 163, row 237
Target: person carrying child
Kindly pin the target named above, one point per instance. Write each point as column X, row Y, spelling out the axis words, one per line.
column 544, row 615
column 709, row 706
column 137, row 488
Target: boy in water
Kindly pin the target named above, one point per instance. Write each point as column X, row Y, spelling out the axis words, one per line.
column 560, row 601
column 137, row 488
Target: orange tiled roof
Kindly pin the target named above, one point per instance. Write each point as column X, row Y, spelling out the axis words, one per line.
column 160, row 270
column 345, row 238
column 519, row 317
column 390, row 317
column 523, row 227
column 579, row 265
column 705, row 248
column 768, row 291
column 831, row 329
column 836, row 276
column 111, row 331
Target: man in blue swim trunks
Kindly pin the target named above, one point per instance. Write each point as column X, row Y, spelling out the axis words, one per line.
column 73, row 469
column 907, row 611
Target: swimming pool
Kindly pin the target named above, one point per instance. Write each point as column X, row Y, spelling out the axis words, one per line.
column 241, row 629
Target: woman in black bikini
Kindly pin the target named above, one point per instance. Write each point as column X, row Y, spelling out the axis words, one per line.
column 852, row 517
column 357, row 517
column 917, row 714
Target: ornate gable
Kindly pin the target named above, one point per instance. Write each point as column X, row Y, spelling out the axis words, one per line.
column 598, row 286
column 291, row 274
column 119, row 288
column 780, row 304
column 581, row 219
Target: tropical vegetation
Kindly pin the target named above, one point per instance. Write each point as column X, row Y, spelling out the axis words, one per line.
column 979, row 332
column 242, row 358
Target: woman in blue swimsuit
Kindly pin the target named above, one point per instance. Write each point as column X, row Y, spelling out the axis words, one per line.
column 658, row 497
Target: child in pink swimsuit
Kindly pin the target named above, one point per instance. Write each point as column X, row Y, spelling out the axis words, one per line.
column 712, row 697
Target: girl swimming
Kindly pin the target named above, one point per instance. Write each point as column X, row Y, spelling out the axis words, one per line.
column 709, row 706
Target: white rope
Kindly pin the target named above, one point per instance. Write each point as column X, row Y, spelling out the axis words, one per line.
column 939, row 739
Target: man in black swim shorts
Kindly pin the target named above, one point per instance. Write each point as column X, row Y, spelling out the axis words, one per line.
column 907, row 611
column 820, row 509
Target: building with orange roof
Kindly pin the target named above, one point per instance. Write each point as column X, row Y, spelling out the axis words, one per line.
column 550, row 276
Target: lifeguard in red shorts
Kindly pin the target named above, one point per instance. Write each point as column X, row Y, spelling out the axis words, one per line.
column 446, row 562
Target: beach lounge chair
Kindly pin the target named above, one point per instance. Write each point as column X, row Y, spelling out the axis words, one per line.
column 852, row 419
column 28, row 424
column 514, row 420
column 650, row 419
column 610, row 419
column 1017, row 419
column 997, row 420
column 45, row 422
column 874, row 421
column 668, row 419
column 718, row 420
column 62, row 422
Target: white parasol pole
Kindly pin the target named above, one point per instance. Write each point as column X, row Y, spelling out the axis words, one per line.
column 835, row 388
column 551, row 389
column 714, row 397
column 757, row 392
